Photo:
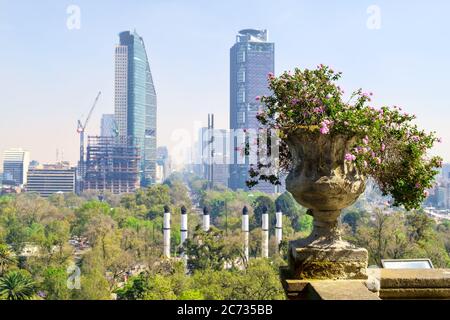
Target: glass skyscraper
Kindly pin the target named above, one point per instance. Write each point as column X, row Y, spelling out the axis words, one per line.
column 135, row 101
column 251, row 60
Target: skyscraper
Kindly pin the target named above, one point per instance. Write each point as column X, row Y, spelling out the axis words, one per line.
column 15, row 165
column 135, row 101
column 107, row 125
column 251, row 60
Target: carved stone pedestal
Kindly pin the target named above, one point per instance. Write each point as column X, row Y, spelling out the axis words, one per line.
column 341, row 261
column 324, row 255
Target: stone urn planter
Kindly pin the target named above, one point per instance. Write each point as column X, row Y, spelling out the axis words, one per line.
column 322, row 181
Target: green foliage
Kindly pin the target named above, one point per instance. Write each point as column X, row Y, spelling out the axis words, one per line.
column 261, row 203
column 7, row 258
column 294, row 212
column 399, row 235
column 259, row 282
column 305, row 223
column 210, row 250
column 354, row 218
column 86, row 212
column 17, row 285
column 54, row 284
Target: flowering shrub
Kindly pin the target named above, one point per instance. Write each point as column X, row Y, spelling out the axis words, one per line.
column 390, row 148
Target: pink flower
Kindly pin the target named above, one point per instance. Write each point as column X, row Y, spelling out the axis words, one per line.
column 378, row 160
column 295, row 101
column 270, row 75
column 415, row 138
column 350, row 157
column 258, row 98
column 318, row 110
column 365, row 164
column 324, row 130
column 383, row 147
column 426, row 193
column 366, row 140
column 418, row 185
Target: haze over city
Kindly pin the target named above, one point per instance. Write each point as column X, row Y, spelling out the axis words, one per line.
column 50, row 74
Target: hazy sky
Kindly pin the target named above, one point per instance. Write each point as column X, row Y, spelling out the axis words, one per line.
column 49, row 74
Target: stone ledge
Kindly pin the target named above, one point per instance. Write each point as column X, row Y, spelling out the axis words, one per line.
column 328, row 290
column 415, row 293
column 412, row 278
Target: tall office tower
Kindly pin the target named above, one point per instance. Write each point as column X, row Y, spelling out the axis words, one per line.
column 135, row 101
column 107, row 125
column 15, row 165
column 251, row 60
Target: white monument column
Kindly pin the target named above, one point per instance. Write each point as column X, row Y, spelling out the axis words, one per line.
column 184, row 225
column 245, row 231
column 166, row 228
column 205, row 219
column 265, row 233
column 184, row 231
column 279, row 225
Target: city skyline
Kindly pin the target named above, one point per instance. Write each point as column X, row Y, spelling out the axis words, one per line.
column 47, row 91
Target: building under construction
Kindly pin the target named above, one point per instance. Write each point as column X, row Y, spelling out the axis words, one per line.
column 111, row 165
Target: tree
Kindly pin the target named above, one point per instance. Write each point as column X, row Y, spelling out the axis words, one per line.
column 179, row 194
column 259, row 282
column 354, row 217
column 134, row 289
column 160, row 288
column 191, row 295
column 210, row 250
column 86, row 212
column 7, row 258
column 54, row 284
column 420, row 227
column 94, row 286
column 261, row 203
column 17, row 285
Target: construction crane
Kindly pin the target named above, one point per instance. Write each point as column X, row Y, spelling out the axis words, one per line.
column 80, row 129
